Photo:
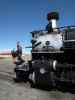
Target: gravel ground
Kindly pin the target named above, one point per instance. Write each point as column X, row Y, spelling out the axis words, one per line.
column 9, row 90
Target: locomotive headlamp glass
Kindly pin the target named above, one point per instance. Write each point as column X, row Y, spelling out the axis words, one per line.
column 42, row 70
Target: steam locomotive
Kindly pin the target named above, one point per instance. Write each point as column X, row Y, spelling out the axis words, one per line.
column 53, row 56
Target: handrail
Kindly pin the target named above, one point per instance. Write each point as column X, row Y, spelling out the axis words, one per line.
column 67, row 27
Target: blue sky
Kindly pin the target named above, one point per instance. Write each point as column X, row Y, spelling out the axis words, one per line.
column 19, row 17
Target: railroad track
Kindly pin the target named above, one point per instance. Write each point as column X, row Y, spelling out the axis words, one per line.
column 6, row 76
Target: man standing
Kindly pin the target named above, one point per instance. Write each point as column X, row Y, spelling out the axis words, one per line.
column 19, row 50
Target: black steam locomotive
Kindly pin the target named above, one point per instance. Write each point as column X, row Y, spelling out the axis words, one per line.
column 53, row 57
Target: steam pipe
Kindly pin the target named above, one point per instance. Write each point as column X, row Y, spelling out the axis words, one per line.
column 65, row 66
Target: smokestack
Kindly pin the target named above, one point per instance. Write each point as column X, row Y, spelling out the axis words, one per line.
column 52, row 17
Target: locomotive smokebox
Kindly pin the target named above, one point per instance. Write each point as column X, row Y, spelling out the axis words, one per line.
column 52, row 17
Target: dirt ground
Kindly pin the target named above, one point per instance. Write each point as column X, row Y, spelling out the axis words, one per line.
column 9, row 90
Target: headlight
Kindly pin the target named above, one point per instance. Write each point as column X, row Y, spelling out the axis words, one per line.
column 42, row 70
